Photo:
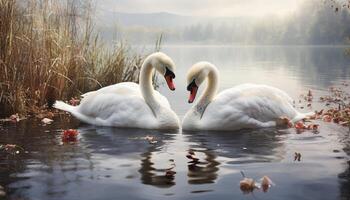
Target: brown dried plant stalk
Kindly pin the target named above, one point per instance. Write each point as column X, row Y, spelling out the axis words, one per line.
column 49, row 50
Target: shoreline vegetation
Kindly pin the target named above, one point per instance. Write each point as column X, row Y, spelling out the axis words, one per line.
column 50, row 50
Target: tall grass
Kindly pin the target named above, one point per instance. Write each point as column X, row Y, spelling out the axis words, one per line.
column 49, row 50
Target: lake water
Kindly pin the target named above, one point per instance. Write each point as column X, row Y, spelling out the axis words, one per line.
column 113, row 163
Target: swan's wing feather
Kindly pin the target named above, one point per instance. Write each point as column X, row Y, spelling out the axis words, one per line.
column 121, row 104
column 126, row 88
column 248, row 103
column 117, row 110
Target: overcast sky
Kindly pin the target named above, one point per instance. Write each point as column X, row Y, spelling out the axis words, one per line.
column 255, row 8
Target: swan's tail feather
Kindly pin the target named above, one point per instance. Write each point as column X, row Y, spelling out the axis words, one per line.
column 301, row 116
column 63, row 106
column 75, row 112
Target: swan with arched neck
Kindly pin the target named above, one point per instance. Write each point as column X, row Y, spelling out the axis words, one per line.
column 242, row 106
column 129, row 104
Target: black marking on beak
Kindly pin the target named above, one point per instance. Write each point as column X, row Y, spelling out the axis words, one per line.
column 191, row 85
column 169, row 73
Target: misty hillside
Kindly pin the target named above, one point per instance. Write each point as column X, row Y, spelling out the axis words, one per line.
column 159, row 20
column 313, row 23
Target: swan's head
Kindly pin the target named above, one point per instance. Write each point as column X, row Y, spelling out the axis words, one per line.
column 196, row 76
column 165, row 66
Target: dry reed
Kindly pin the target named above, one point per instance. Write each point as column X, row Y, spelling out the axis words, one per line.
column 49, row 50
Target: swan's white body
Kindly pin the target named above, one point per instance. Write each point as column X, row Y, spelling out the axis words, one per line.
column 243, row 106
column 126, row 105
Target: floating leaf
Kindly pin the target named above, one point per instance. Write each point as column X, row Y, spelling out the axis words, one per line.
column 300, row 125
column 46, row 121
column 15, row 118
column 70, row 135
column 247, row 185
column 284, row 122
column 297, row 156
column 327, row 118
column 151, row 139
column 313, row 127
column 266, row 183
column 11, row 148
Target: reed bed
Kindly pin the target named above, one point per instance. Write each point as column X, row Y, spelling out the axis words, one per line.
column 49, row 50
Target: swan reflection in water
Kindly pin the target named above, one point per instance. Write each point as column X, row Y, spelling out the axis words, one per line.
column 119, row 142
column 162, row 164
column 202, row 172
column 160, row 177
column 124, row 159
column 241, row 147
column 158, row 166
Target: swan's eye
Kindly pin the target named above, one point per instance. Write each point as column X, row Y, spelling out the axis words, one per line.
column 169, row 73
column 192, row 85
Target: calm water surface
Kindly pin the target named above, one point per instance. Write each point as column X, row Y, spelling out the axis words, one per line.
column 112, row 163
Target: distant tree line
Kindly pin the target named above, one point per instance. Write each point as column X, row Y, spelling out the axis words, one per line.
column 311, row 24
column 316, row 22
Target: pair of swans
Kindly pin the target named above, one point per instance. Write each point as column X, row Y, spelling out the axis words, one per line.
column 140, row 106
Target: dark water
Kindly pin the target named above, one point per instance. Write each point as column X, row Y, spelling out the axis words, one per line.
column 112, row 163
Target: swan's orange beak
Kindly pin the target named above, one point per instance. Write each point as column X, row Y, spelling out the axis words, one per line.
column 169, row 82
column 193, row 93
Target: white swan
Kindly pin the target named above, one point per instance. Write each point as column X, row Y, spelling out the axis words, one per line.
column 129, row 104
column 243, row 106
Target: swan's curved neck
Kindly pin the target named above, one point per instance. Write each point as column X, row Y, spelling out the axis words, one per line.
column 146, row 85
column 210, row 91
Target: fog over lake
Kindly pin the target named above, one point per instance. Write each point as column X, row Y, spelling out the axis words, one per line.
column 308, row 22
